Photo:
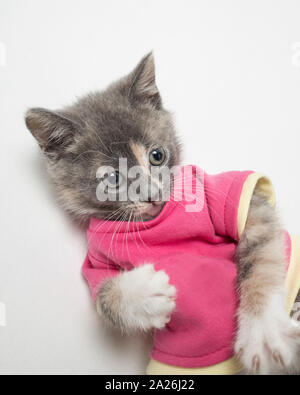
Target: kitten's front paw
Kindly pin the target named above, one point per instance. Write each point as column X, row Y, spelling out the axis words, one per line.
column 141, row 299
column 267, row 345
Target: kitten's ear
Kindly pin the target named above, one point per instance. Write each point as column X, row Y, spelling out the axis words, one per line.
column 54, row 132
column 143, row 87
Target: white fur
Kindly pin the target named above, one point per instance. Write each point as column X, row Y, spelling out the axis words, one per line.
column 147, row 298
column 262, row 336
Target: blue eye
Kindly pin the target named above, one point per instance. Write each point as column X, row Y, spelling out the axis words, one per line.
column 157, row 156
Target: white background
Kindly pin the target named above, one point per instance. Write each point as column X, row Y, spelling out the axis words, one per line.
column 229, row 70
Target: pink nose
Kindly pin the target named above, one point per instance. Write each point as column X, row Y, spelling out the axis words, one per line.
column 156, row 203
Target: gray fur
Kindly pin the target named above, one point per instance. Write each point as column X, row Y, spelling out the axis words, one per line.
column 109, row 304
column 260, row 255
column 262, row 229
column 96, row 131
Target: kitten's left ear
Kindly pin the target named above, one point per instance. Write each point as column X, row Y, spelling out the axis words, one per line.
column 54, row 131
column 143, row 87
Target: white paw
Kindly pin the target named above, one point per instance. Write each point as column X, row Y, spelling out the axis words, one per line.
column 147, row 298
column 268, row 344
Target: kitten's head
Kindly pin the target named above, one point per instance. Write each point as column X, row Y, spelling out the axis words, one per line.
column 127, row 120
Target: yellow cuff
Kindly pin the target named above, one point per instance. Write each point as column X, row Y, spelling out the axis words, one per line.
column 229, row 367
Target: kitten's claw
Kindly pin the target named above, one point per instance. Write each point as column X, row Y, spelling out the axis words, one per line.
column 255, row 364
column 278, row 358
column 268, row 344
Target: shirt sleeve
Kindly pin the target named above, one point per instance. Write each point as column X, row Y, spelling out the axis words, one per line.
column 95, row 273
column 228, row 197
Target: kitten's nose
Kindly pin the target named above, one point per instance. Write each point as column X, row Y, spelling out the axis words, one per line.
column 155, row 203
column 154, row 209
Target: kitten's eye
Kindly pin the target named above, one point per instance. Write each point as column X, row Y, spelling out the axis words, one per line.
column 157, row 156
column 114, row 179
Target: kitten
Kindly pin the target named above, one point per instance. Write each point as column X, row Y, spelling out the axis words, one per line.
column 128, row 120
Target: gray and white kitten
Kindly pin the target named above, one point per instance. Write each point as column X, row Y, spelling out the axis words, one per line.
column 128, row 120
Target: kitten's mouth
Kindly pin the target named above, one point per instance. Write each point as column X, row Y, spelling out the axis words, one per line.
column 150, row 211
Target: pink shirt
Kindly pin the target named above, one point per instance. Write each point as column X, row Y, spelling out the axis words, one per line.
column 196, row 250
